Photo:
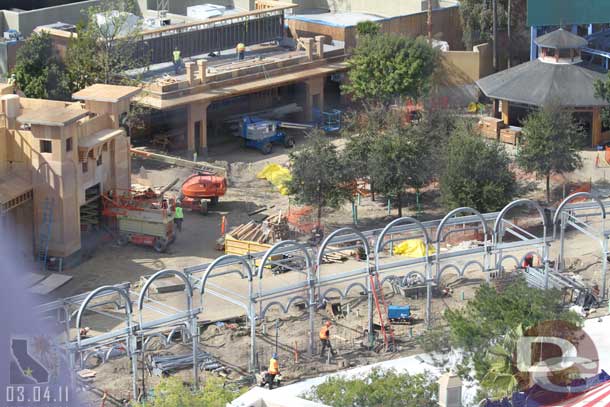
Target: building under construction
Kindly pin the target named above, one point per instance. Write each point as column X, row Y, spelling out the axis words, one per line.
column 56, row 161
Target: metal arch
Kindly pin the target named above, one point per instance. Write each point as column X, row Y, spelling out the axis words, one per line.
column 602, row 239
column 180, row 328
column 226, row 260
column 337, row 232
column 471, row 262
column 310, row 282
column 367, row 250
column 269, row 252
column 354, row 285
column 153, row 336
column 464, row 209
column 448, row 267
column 216, row 263
column 379, row 242
column 574, row 196
column 188, row 287
column 513, row 204
column 331, row 290
column 510, row 257
column 128, row 312
column 388, row 278
column 95, row 293
column 284, row 309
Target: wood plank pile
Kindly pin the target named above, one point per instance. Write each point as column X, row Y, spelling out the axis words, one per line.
column 336, row 257
column 490, row 127
column 272, row 229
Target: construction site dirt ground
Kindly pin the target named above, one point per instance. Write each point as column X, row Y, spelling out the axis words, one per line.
column 111, row 264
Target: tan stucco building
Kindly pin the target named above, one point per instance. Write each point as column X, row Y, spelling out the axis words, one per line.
column 62, row 156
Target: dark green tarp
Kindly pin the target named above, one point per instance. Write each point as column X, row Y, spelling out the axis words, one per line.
column 565, row 12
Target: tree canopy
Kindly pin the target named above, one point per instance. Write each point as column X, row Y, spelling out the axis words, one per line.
column 486, row 328
column 551, row 145
column 39, row 71
column 399, row 159
column 319, row 176
column 171, row 392
column 476, row 173
column 378, row 388
column 387, row 66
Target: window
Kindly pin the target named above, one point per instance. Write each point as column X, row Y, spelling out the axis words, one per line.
column 99, row 160
column 45, row 146
column 69, row 144
column 85, row 167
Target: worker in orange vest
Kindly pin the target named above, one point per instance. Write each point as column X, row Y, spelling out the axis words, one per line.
column 274, row 370
column 325, row 338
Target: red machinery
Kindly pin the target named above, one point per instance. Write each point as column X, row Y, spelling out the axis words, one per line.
column 200, row 187
column 208, row 181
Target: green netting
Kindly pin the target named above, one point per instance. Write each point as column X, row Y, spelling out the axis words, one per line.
column 565, row 12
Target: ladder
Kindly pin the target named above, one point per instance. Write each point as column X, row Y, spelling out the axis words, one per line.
column 45, row 232
column 375, row 285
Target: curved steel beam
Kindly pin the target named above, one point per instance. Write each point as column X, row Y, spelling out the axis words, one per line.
column 95, row 293
column 518, row 202
column 471, row 262
column 510, row 257
column 354, row 285
column 448, row 267
column 218, row 263
column 272, row 249
column 464, row 209
column 337, row 232
column 188, row 287
column 574, row 196
column 406, row 219
column 335, row 290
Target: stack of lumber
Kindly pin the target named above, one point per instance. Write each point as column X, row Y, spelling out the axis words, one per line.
column 510, row 135
column 273, row 229
column 336, row 256
column 490, row 127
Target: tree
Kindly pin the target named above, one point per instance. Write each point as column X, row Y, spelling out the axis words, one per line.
column 171, row 392
column 367, row 28
column 387, row 66
column 552, row 140
column 378, row 388
column 399, row 159
column 106, row 46
column 476, row 173
column 39, row 71
column 319, row 176
column 487, row 327
column 602, row 90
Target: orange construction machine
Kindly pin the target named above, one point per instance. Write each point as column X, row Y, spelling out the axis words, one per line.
column 205, row 186
column 200, row 188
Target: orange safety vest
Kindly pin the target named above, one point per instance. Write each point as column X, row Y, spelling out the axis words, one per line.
column 324, row 334
column 274, row 366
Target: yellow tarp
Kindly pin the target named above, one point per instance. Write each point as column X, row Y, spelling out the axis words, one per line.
column 412, row 248
column 277, row 175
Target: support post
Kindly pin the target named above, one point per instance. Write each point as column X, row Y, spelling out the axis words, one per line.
column 575, row 29
column 505, row 112
column 195, row 338
column 604, row 266
column 202, row 69
column 197, row 112
column 596, row 127
column 320, row 40
column 190, row 73
column 590, row 29
column 533, row 46
column 312, row 312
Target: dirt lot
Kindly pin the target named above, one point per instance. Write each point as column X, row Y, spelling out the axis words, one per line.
column 111, row 264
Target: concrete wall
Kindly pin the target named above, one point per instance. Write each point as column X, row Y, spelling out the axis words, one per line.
column 26, row 21
column 464, row 67
column 446, row 24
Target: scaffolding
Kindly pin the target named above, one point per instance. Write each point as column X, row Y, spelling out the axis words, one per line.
column 317, row 283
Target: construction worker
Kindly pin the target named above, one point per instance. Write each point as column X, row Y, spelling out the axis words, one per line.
column 241, row 51
column 178, row 216
column 177, row 60
column 274, row 370
column 325, row 338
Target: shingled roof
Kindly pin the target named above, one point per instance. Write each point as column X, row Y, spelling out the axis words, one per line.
column 561, row 39
column 538, row 83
